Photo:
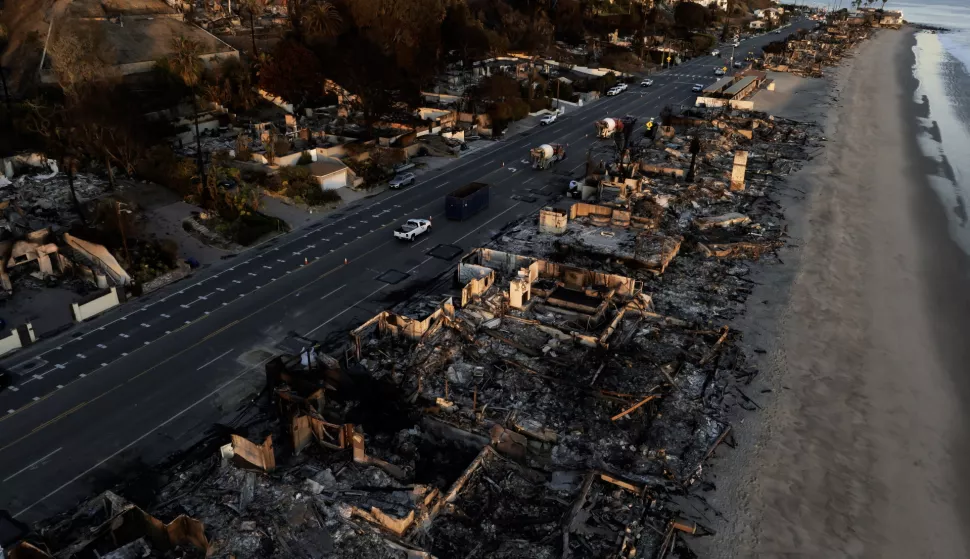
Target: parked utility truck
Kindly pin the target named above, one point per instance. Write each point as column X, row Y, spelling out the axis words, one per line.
column 546, row 155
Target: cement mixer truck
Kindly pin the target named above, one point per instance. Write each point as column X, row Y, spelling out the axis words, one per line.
column 607, row 127
column 546, row 155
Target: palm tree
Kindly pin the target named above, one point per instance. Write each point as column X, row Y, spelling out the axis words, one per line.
column 253, row 8
column 185, row 67
column 184, row 63
column 4, row 41
column 217, row 92
column 321, row 20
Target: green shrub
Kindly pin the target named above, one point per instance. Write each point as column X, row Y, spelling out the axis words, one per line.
column 565, row 90
column 302, row 187
column 702, row 43
column 500, row 112
column 539, row 104
column 320, row 197
column 305, row 158
column 160, row 165
column 170, row 251
column 520, row 108
column 281, row 147
column 367, row 170
column 249, row 228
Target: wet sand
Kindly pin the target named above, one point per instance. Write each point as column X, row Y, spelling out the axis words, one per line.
column 861, row 449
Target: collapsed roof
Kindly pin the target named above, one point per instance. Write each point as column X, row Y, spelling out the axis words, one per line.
column 552, row 396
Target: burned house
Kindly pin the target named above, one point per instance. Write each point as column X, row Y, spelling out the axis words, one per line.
column 808, row 54
column 550, row 396
column 538, row 409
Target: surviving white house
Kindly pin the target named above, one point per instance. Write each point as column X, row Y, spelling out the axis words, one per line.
column 332, row 173
column 775, row 13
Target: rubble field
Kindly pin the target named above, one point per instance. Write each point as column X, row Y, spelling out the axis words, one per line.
column 557, row 394
column 808, row 54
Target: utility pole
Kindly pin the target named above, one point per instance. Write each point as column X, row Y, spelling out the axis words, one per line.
column 121, row 229
column 6, row 97
column 47, row 40
column 198, row 144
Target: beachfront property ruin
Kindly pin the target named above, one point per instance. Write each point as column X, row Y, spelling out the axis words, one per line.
column 556, row 393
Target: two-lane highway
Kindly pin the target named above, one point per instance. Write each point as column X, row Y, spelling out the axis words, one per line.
column 121, row 392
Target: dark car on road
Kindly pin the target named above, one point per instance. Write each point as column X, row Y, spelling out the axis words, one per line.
column 6, row 380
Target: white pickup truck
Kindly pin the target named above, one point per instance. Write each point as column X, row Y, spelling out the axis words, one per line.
column 412, row 228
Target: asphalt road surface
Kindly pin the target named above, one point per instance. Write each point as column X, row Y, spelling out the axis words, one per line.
column 119, row 393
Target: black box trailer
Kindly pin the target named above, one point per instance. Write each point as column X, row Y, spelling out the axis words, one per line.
column 467, row 201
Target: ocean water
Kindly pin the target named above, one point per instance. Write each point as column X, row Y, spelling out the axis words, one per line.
column 942, row 68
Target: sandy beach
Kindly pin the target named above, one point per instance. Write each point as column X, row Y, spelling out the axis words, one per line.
column 862, row 446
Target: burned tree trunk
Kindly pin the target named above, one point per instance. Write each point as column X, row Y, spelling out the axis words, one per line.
column 252, row 32
column 695, row 148
column 111, row 174
column 6, row 98
column 69, row 162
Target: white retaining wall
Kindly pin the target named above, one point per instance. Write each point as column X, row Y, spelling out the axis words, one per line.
column 715, row 102
column 84, row 311
column 18, row 338
column 10, row 342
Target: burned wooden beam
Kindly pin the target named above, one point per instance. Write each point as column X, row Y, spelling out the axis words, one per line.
column 717, row 345
column 634, row 407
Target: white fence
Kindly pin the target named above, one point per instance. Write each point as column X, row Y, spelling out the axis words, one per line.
column 96, row 306
column 18, row 338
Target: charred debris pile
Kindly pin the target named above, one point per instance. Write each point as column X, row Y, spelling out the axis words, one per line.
column 556, row 395
column 807, row 54
column 686, row 211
